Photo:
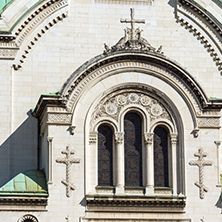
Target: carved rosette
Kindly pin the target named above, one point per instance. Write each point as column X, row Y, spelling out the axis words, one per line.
column 112, row 105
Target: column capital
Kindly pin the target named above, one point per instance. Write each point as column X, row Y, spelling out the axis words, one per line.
column 173, row 138
column 93, row 137
column 148, row 137
column 217, row 143
column 49, row 139
column 119, row 137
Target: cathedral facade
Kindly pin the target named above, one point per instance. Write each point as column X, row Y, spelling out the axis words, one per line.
column 110, row 110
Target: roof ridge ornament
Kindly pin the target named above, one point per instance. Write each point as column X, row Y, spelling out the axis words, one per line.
column 132, row 39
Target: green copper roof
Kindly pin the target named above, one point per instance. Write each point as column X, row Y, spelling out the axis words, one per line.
column 31, row 183
column 215, row 98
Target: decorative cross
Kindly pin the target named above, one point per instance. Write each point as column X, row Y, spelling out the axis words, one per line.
column 201, row 163
column 68, row 160
column 132, row 21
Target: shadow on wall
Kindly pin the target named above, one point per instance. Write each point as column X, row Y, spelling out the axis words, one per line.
column 18, row 152
column 172, row 3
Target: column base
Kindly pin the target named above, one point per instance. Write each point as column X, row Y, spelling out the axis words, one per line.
column 149, row 191
column 119, row 191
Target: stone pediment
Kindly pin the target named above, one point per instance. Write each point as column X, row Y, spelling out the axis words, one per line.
column 132, row 39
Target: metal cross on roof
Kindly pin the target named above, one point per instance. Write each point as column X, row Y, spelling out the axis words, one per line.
column 132, row 21
column 201, row 163
column 68, row 161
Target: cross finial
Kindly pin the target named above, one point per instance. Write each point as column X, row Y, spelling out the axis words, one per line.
column 132, row 21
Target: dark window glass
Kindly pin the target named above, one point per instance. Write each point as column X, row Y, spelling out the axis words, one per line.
column 133, row 149
column 105, row 156
column 160, row 158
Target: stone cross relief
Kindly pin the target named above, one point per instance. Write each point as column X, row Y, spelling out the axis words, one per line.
column 68, row 161
column 201, row 163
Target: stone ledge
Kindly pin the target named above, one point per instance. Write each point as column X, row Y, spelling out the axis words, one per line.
column 135, row 203
column 23, row 201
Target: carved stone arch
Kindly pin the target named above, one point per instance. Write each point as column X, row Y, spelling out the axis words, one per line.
column 106, row 121
column 141, row 111
column 163, row 123
column 109, row 66
column 28, row 217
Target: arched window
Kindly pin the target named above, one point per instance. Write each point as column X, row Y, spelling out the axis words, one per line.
column 133, row 149
column 161, row 178
column 105, row 156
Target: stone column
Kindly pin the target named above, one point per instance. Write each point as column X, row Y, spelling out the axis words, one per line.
column 119, row 139
column 49, row 139
column 218, row 162
column 173, row 142
column 149, row 163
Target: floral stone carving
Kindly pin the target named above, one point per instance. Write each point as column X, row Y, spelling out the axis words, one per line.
column 111, row 105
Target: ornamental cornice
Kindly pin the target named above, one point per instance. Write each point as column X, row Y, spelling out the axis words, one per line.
column 34, row 20
column 203, row 26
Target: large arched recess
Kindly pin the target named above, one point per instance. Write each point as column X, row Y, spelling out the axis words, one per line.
column 152, row 73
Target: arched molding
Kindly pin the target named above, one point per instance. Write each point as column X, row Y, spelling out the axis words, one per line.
column 28, row 217
column 128, row 97
column 203, row 25
column 141, row 111
column 151, row 64
column 106, row 121
column 163, row 123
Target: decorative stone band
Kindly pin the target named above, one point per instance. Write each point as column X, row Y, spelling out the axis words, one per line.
column 208, row 122
column 59, row 118
column 8, row 53
column 136, row 203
